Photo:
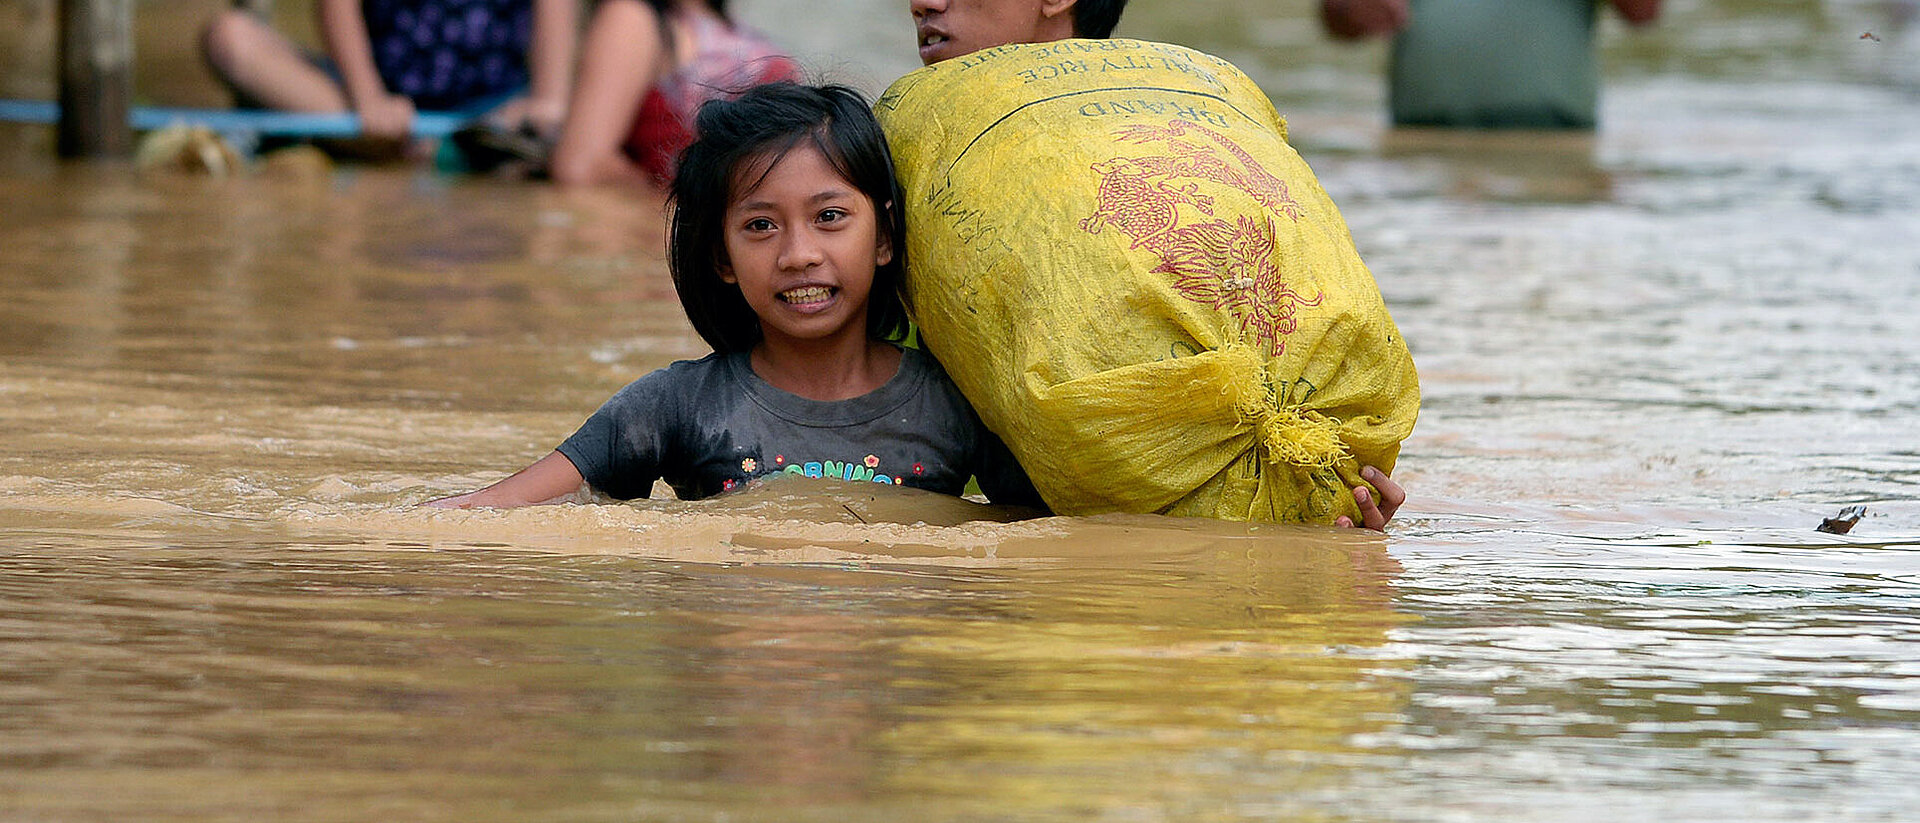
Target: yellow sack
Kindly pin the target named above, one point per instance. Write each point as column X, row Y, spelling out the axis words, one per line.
column 1139, row 284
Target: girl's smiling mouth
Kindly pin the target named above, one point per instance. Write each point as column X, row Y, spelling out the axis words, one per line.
column 807, row 296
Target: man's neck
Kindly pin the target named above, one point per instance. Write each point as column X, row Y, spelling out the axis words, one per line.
column 1055, row 28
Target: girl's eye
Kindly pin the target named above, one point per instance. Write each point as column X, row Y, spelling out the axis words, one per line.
column 832, row 215
column 759, row 224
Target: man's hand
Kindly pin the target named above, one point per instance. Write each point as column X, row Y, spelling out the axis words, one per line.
column 1374, row 514
column 1354, row 19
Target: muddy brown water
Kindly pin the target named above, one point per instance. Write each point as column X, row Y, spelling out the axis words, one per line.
column 1653, row 359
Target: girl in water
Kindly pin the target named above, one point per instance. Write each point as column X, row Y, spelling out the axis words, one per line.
column 784, row 249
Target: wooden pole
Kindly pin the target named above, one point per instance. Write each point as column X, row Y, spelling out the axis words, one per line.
column 96, row 80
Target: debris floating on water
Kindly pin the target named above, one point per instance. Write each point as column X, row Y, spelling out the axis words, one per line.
column 1843, row 522
column 192, row 149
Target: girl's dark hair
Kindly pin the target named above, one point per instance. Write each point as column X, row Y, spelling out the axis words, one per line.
column 765, row 123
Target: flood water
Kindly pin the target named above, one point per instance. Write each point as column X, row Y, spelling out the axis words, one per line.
column 1653, row 360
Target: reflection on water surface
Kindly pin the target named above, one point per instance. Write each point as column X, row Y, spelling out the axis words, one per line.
column 1654, row 358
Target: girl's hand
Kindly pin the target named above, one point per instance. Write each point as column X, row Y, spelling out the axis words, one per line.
column 1375, row 514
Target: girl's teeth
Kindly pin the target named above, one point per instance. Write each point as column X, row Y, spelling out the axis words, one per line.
column 810, row 294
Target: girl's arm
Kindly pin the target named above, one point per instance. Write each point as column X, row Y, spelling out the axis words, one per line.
column 548, row 479
column 624, row 54
column 382, row 114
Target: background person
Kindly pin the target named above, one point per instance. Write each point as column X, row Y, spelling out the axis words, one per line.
column 644, row 71
column 387, row 59
column 1487, row 63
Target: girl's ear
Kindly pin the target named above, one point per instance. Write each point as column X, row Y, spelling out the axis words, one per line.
column 724, row 269
column 883, row 239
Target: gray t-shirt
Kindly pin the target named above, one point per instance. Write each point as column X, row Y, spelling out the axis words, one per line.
column 709, row 425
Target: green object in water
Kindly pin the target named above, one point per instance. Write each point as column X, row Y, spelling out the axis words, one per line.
column 1528, row 64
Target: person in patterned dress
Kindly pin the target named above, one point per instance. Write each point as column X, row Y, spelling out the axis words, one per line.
column 645, row 68
column 388, row 59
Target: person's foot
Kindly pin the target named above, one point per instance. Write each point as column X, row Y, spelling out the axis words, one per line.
column 516, row 151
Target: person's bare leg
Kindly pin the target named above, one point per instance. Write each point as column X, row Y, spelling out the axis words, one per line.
column 624, row 53
column 263, row 64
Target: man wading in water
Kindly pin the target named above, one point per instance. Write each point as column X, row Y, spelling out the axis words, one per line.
column 947, row 29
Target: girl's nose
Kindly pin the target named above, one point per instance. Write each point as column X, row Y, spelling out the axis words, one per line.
column 801, row 251
column 922, row 7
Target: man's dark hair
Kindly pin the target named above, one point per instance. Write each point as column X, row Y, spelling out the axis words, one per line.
column 1096, row 18
column 748, row 135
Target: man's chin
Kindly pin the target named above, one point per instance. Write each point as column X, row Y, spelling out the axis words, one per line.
column 935, row 52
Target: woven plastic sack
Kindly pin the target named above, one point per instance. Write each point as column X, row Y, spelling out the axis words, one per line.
column 1140, row 286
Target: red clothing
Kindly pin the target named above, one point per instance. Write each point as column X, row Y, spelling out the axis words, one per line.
column 726, row 62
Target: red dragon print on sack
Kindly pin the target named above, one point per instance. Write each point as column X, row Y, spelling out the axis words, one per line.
column 1220, row 264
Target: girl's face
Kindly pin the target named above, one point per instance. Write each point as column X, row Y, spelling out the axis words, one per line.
column 802, row 245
